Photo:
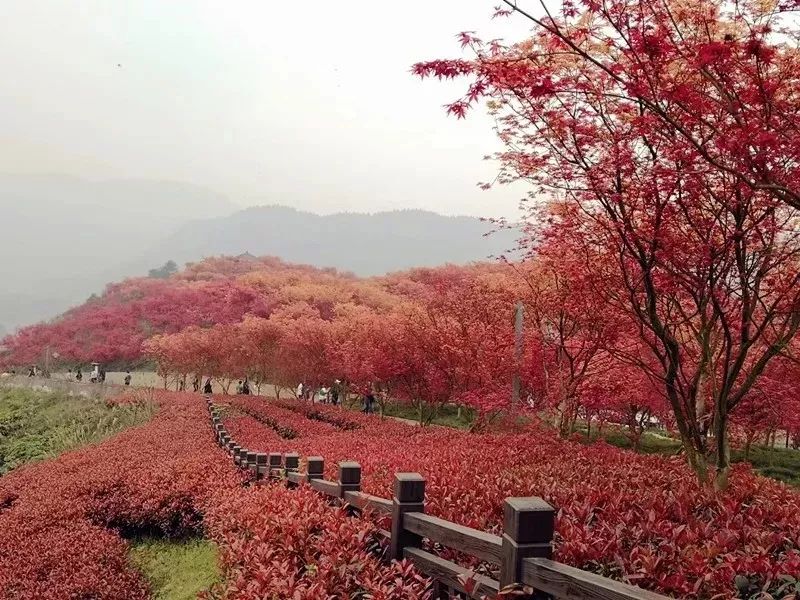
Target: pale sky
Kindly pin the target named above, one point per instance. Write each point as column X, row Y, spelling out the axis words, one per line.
column 309, row 104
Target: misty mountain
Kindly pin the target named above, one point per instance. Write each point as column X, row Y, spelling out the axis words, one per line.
column 366, row 244
column 60, row 236
column 64, row 238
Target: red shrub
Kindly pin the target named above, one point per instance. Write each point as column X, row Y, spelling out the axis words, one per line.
column 638, row 518
column 285, row 543
column 61, row 520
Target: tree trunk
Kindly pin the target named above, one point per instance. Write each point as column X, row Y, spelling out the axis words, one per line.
column 723, row 451
column 697, row 462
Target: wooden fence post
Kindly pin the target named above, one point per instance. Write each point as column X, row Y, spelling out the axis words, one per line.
column 291, row 461
column 349, row 477
column 409, row 496
column 261, row 465
column 349, row 481
column 252, row 462
column 528, row 525
column 275, row 459
column 315, row 467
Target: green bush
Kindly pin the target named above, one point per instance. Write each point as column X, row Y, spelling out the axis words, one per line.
column 36, row 425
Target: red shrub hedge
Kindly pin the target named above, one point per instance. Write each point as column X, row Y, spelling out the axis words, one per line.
column 61, row 521
column 281, row 543
column 632, row 517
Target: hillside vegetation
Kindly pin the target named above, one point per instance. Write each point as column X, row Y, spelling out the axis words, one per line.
column 428, row 337
column 36, row 425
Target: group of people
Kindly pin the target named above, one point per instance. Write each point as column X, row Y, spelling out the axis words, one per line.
column 335, row 395
column 325, row 394
column 98, row 375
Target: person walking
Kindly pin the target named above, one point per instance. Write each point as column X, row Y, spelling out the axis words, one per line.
column 127, row 378
column 196, row 383
column 246, row 387
column 369, row 400
column 299, row 391
column 334, row 392
column 78, row 375
column 207, row 387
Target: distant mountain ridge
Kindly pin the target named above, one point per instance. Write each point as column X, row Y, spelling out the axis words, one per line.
column 366, row 244
column 65, row 238
column 61, row 235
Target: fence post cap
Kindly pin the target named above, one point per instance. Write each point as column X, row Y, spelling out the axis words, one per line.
column 349, row 472
column 409, row 487
column 315, row 465
column 528, row 520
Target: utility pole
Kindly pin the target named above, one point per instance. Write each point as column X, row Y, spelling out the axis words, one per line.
column 515, row 382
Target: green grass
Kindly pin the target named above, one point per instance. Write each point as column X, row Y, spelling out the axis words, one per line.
column 176, row 569
column 36, row 425
column 778, row 463
column 447, row 415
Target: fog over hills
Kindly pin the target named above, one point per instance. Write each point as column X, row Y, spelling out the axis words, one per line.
column 64, row 238
column 366, row 244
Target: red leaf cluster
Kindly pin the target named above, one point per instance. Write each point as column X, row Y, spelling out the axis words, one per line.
column 63, row 522
column 639, row 518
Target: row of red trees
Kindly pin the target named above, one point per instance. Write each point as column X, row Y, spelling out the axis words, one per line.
column 435, row 336
column 660, row 139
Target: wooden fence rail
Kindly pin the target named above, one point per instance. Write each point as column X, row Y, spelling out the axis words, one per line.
column 523, row 553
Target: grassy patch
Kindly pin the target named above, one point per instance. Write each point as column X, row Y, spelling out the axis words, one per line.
column 36, row 425
column 778, row 463
column 176, row 569
column 651, row 443
column 447, row 415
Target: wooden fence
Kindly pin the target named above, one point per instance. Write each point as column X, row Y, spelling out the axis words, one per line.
column 523, row 553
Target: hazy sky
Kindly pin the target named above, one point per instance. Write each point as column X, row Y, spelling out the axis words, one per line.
column 309, row 104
